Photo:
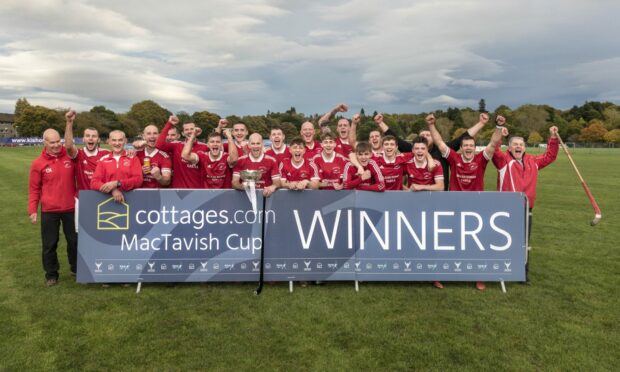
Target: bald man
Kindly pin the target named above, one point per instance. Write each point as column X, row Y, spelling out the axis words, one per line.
column 313, row 147
column 52, row 185
column 257, row 160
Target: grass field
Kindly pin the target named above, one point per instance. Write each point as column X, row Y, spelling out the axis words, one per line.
column 567, row 319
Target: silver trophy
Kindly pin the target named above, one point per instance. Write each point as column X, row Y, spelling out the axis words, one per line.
column 249, row 178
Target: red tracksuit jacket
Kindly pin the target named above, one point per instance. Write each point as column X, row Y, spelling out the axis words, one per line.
column 52, row 183
column 127, row 170
column 514, row 176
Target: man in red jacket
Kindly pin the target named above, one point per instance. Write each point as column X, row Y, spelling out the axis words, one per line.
column 518, row 171
column 52, row 185
column 117, row 171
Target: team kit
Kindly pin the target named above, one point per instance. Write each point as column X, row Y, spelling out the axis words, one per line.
column 317, row 159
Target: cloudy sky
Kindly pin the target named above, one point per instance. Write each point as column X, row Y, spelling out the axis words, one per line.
column 247, row 57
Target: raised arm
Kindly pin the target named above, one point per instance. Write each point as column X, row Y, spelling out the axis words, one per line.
column 324, row 120
column 233, row 153
column 69, row 145
column 187, row 153
column 496, row 138
column 355, row 120
column 551, row 153
column 161, row 139
column 437, row 140
column 474, row 129
column 403, row 146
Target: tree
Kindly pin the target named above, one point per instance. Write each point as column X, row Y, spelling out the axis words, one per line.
column 148, row 112
column 594, row 133
column 482, row 105
column 20, row 106
column 458, row 132
column 33, row 120
column 613, row 136
column 207, row 121
column 534, row 138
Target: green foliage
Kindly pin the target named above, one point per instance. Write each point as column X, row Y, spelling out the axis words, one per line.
column 534, row 138
column 206, row 120
column 482, row 105
column 613, row 136
column 148, row 112
column 33, row 120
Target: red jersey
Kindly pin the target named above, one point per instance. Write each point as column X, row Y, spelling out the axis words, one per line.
column 342, row 148
column 265, row 163
column 185, row 174
column 314, row 151
column 125, row 169
column 240, row 149
column 352, row 181
column 466, row 175
column 85, row 164
column 52, row 183
column 293, row 173
column 158, row 159
column 521, row 176
column 421, row 175
column 216, row 173
column 284, row 153
column 330, row 170
column 393, row 171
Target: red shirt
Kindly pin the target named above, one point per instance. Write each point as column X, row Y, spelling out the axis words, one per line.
column 52, row 183
column 185, row 174
column 216, row 173
column 240, row 150
column 125, row 169
column 284, row 153
column 353, row 181
column 314, row 151
column 305, row 171
column 85, row 165
column 393, row 171
column 158, row 159
column 265, row 163
column 466, row 175
column 421, row 175
column 522, row 176
column 342, row 148
column 330, row 170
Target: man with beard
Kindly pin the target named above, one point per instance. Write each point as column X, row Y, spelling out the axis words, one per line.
column 186, row 175
column 278, row 149
column 468, row 168
column 215, row 165
column 297, row 173
column 343, row 128
column 156, row 164
column 116, row 171
column 313, row 147
column 257, row 160
column 404, row 146
column 52, row 184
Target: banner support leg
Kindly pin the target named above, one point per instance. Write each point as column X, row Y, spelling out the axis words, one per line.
column 139, row 287
column 357, row 286
column 290, row 286
column 503, row 286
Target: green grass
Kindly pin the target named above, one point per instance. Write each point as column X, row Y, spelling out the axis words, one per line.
column 566, row 319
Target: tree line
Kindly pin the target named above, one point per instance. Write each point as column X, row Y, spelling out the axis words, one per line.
column 590, row 122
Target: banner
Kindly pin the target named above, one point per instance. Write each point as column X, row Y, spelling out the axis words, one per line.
column 213, row 235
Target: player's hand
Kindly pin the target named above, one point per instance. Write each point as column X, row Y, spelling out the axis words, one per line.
column 366, row 175
column 223, row 123
column 267, row 191
column 356, row 119
column 342, row 108
column 130, row 153
column 292, row 185
column 118, row 196
column 146, row 170
column 198, row 131
column 301, row 185
column 70, row 116
column 505, row 132
column 500, row 120
column 173, row 119
column 228, row 134
column 414, row 187
column 430, row 119
column 108, row 186
column 484, row 118
column 378, row 119
column 553, row 131
column 33, row 218
column 156, row 172
column 338, row 186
